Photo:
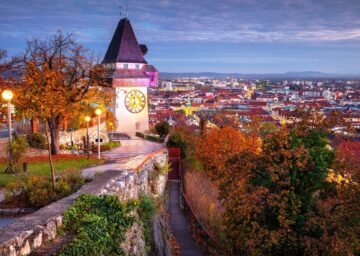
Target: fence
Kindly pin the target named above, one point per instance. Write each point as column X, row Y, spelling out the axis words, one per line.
column 204, row 238
column 24, row 127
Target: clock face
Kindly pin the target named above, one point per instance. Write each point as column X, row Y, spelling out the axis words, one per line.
column 135, row 101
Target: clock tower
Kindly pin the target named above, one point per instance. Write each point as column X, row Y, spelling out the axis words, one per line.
column 130, row 76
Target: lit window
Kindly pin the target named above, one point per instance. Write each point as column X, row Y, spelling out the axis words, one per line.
column 126, row 66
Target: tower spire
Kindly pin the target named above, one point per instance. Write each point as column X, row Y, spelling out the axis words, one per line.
column 124, row 46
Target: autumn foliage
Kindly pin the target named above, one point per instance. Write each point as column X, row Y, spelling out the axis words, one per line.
column 280, row 202
column 217, row 146
column 290, row 194
column 59, row 80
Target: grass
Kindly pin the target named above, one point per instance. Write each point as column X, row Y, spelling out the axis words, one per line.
column 40, row 166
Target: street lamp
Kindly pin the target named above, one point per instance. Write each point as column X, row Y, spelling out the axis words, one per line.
column 7, row 95
column 98, row 113
column 87, row 119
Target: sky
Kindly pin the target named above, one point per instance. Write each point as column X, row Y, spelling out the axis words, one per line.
column 242, row 36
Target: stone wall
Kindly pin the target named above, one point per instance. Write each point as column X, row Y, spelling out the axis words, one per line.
column 31, row 231
column 79, row 135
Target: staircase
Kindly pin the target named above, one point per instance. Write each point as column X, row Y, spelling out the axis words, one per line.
column 175, row 163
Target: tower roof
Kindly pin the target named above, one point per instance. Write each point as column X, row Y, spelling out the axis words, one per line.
column 124, row 46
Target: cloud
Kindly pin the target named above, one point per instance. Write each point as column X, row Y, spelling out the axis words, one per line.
column 183, row 20
column 200, row 34
column 244, row 35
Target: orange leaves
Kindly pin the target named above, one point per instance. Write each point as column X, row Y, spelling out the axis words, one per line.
column 219, row 145
column 40, row 96
column 59, row 79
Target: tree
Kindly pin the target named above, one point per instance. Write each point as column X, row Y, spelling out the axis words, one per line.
column 267, row 129
column 176, row 140
column 60, row 79
column 219, row 145
column 281, row 202
column 162, row 128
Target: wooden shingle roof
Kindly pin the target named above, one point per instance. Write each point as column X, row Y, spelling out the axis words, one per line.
column 124, row 46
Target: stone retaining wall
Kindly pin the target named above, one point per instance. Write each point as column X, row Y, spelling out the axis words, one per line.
column 31, row 231
column 80, row 134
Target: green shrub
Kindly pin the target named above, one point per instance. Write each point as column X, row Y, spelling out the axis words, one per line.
column 16, row 148
column 176, row 140
column 140, row 135
column 147, row 210
column 162, row 128
column 99, row 224
column 36, row 140
column 110, row 145
column 153, row 138
column 149, row 137
column 67, row 146
column 36, row 191
column 154, row 175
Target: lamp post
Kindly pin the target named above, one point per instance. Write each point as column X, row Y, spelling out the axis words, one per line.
column 87, row 119
column 98, row 113
column 8, row 95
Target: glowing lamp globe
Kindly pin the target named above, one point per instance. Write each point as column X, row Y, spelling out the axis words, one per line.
column 87, row 118
column 98, row 112
column 7, row 95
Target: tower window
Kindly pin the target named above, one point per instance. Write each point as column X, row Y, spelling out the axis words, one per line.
column 137, row 66
column 126, row 66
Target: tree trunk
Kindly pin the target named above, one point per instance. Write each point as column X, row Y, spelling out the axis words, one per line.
column 50, row 158
column 54, row 125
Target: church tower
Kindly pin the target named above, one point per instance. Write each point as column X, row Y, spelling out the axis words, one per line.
column 130, row 76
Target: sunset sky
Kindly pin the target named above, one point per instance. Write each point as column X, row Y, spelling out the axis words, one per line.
column 244, row 36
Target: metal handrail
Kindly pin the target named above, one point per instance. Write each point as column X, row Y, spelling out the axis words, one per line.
column 209, row 241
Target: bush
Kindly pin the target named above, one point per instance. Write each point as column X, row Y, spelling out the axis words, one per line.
column 162, row 128
column 67, row 146
column 17, row 147
column 159, row 170
column 110, row 145
column 149, row 137
column 139, row 134
column 99, row 224
column 36, row 191
column 176, row 140
column 153, row 138
column 36, row 140
column 147, row 209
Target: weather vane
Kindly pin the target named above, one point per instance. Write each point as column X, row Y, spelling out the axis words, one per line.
column 126, row 13
column 120, row 8
column 127, row 8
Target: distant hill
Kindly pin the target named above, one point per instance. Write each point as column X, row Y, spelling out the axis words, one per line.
column 287, row 75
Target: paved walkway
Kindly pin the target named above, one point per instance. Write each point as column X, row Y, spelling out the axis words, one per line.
column 131, row 148
column 179, row 223
column 128, row 156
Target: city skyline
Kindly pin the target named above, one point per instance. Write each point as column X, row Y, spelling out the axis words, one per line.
column 203, row 36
